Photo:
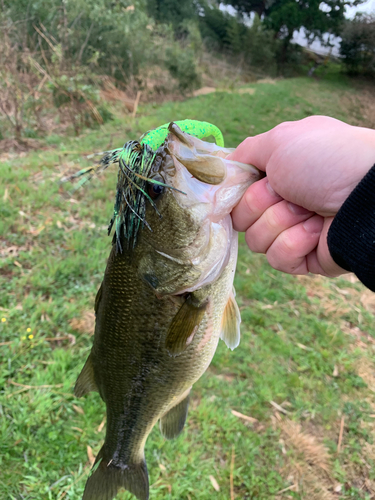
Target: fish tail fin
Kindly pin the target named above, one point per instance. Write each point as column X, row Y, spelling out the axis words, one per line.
column 107, row 478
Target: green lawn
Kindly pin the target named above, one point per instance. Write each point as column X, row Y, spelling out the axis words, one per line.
column 303, row 371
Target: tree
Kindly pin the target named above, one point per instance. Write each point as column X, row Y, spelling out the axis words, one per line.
column 173, row 12
column 287, row 16
column 358, row 45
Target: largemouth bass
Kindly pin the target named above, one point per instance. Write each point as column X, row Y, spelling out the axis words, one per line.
column 166, row 298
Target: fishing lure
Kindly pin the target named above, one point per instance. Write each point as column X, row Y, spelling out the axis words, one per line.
column 135, row 160
column 155, row 138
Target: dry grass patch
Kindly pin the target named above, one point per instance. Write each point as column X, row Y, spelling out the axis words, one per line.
column 361, row 106
column 308, row 466
column 85, row 323
column 366, row 370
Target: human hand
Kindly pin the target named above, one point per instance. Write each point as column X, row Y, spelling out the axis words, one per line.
column 312, row 166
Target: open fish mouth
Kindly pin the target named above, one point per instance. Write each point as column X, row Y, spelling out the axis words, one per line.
column 205, row 175
column 208, row 186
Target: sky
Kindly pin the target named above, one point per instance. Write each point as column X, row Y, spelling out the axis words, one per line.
column 367, row 7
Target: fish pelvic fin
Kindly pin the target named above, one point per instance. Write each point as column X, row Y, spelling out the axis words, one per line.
column 86, row 381
column 184, row 326
column 230, row 325
column 106, row 479
column 172, row 423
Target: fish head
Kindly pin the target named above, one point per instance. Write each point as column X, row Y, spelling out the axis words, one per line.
column 191, row 235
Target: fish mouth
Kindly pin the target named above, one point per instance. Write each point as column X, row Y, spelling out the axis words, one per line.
column 208, row 186
column 203, row 177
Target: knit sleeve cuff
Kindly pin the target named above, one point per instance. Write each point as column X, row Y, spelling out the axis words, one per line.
column 351, row 237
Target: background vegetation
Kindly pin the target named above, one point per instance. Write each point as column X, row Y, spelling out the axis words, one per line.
column 61, row 61
column 290, row 413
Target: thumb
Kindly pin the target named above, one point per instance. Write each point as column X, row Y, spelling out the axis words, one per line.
column 253, row 150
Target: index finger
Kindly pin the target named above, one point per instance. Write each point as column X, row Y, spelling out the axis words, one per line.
column 258, row 197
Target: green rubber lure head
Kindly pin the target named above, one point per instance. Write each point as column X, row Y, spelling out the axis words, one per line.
column 155, row 138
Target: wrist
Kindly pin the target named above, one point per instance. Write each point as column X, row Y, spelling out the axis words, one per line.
column 351, row 237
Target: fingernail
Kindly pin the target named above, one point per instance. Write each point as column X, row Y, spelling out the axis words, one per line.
column 271, row 190
column 297, row 210
column 314, row 224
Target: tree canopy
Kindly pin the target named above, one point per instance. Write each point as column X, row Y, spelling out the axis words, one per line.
column 358, row 45
column 287, row 16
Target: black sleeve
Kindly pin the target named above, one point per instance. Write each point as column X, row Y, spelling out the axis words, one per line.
column 351, row 237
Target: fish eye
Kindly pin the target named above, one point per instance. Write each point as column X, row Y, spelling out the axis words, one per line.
column 155, row 190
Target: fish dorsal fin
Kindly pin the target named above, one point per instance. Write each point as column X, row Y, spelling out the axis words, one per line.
column 230, row 325
column 85, row 381
column 98, row 298
column 184, row 326
column 172, row 423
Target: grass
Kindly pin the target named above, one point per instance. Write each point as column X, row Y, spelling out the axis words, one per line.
column 304, row 369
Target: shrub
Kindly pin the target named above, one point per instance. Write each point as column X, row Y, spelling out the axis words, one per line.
column 28, row 89
column 260, row 47
column 111, row 37
column 214, row 26
column 182, row 65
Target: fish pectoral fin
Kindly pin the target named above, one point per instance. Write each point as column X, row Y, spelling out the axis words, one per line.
column 106, row 479
column 230, row 325
column 172, row 423
column 184, row 326
column 86, row 381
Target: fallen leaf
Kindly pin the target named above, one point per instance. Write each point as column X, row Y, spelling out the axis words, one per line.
column 90, row 455
column 251, row 420
column 78, row 409
column 279, row 408
column 214, row 483
column 162, row 467
column 100, row 428
column 305, row 348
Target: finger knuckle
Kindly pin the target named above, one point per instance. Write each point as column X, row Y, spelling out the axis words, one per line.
column 273, row 218
column 279, row 132
column 251, row 200
column 283, row 255
column 274, row 261
column 252, row 242
column 247, row 142
column 287, row 244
